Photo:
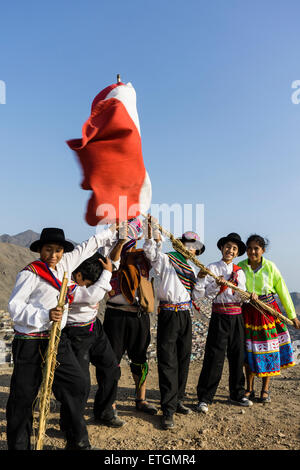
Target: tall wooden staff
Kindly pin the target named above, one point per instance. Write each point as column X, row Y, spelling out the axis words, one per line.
column 49, row 369
column 179, row 246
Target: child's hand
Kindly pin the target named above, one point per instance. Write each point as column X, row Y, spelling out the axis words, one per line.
column 55, row 314
column 122, row 241
column 153, row 228
column 254, row 296
column 201, row 274
column 107, row 264
column 221, row 281
column 296, row 323
column 123, row 231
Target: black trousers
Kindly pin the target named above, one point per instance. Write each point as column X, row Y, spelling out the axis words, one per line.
column 225, row 333
column 174, row 345
column 91, row 345
column 69, row 387
column 129, row 332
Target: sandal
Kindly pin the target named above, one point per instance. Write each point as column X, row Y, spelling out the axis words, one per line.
column 266, row 399
column 251, row 394
column 144, row 406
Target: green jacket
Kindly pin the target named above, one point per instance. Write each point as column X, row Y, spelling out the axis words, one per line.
column 268, row 280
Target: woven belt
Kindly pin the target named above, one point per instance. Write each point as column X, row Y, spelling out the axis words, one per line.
column 82, row 323
column 268, row 298
column 180, row 306
column 227, row 309
column 37, row 335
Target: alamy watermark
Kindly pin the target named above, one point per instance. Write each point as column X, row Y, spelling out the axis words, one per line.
column 296, row 94
column 175, row 218
column 2, row 92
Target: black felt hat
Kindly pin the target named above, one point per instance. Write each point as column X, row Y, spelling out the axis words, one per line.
column 52, row 235
column 235, row 238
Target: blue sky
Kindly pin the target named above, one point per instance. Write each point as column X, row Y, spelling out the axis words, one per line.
column 214, row 86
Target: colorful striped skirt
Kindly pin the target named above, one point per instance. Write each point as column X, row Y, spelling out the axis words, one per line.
column 268, row 342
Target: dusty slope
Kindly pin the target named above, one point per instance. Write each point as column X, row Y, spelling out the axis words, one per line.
column 226, row 427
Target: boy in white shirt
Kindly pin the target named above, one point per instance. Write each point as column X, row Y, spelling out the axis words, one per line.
column 226, row 328
column 174, row 330
column 33, row 308
column 126, row 323
column 88, row 339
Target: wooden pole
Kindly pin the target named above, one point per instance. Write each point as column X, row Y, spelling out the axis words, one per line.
column 179, row 246
column 49, row 369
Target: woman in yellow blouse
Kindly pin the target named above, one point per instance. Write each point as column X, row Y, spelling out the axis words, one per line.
column 268, row 343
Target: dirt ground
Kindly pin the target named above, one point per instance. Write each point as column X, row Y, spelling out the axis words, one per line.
column 273, row 426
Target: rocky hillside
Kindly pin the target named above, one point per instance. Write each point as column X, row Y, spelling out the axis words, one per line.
column 296, row 300
column 12, row 259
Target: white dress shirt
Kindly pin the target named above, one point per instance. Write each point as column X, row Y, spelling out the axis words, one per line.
column 84, row 307
column 207, row 286
column 32, row 297
column 170, row 287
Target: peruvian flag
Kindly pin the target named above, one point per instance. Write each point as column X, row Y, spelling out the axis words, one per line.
column 110, row 154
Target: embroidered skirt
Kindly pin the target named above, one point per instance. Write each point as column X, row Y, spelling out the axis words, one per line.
column 268, row 342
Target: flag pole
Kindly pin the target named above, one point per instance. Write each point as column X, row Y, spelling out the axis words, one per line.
column 118, row 78
column 49, row 369
column 179, row 246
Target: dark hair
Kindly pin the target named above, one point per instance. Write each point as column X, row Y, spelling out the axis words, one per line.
column 262, row 242
column 91, row 268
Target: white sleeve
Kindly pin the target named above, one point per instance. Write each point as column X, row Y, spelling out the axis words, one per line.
column 153, row 252
column 81, row 252
column 207, row 286
column 116, row 264
column 94, row 293
column 107, row 249
column 199, row 289
column 23, row 312
column 211, row 289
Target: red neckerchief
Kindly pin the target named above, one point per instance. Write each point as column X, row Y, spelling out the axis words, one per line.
column 233, row 278
column 42, row 269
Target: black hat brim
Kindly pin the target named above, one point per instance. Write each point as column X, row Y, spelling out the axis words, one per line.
column 67, row 246
column 239, row 243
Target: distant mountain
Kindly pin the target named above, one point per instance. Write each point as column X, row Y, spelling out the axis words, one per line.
column 296, row 298
column 22, row 239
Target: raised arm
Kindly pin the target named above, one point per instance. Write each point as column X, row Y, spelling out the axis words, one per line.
column 81, row 252
column 159, row 261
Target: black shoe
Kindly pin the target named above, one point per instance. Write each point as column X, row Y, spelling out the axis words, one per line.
column 167, row 422
column 112, row 421
column 184, row 410
column 79, row 446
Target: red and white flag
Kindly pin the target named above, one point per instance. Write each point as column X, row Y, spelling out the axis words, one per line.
column 110, row 154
